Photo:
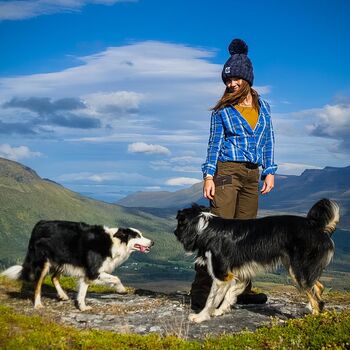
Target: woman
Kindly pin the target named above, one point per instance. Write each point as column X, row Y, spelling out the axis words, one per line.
column 241, row 139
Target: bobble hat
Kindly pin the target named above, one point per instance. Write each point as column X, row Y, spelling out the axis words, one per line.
column 239, row 64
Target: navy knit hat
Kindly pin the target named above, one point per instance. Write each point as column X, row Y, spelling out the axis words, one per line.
column 238, row 65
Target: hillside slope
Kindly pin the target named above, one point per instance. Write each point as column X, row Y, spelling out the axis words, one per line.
column 26, row 198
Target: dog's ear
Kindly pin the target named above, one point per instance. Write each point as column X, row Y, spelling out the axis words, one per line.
column 124, row 234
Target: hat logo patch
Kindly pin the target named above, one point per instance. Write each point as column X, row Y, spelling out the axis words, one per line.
column 227, row 70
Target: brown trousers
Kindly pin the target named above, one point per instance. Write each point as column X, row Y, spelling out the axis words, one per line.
column 236, row 196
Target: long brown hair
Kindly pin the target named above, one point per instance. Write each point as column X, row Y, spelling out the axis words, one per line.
column 230, row 98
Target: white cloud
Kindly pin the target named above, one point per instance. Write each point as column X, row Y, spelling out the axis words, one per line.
column 19, row 9
column 326, row 129
column 114, row 101
column 186, row 164
column 152, row 66
column 141, row 147
column 182, row 181
column 263, row 90
column 332, row 121
column 103, row 177
column 16, row 153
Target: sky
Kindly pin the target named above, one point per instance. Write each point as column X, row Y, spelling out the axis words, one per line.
column 109, row 97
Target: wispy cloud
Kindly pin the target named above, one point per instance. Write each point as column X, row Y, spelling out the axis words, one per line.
column 141, row 147
column 114, row 102
column 182, row 181
column 186, row 164
column 107, row 177
column 23, row 9
column 17, row 153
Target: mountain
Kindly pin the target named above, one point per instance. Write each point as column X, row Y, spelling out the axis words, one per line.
column 163, row 199
column 26, row 198
column 291, row 194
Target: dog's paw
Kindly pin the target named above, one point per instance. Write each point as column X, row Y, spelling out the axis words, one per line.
column 308, row 307
column 218, row 312
column 38, row 306
column 63, row 297
column 121, row 290
column 84, row 308
column 198, row 318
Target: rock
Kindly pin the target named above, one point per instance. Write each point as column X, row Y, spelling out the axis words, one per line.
column 155, row 329
column 145, row 312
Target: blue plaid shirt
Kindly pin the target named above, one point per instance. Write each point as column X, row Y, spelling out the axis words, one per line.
column 232, row 139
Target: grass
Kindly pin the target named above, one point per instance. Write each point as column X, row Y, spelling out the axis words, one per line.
column 331, row 330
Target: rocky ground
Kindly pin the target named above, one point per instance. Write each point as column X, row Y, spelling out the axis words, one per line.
column 142, row 311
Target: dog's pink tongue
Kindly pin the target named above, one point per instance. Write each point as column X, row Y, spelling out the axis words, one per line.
column 142, row 249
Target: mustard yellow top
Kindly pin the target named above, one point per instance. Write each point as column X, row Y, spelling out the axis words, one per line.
column 250, row 114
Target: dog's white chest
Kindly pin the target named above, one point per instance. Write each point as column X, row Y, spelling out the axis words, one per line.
column 74, row 271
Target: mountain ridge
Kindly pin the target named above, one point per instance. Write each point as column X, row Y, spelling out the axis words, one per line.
column 293, row 193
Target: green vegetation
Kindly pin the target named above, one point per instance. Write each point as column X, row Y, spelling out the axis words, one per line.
column 331, row 330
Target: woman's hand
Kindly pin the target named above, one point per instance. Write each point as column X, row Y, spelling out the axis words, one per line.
column 209, row 188
column 269, row 184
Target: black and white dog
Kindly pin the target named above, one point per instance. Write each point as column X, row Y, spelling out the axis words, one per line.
column 235, row 250
column 89, row 252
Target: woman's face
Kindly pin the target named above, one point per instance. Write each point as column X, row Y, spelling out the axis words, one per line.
column 234, row 84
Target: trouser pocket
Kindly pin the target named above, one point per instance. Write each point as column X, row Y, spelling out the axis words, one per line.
column 222, row 180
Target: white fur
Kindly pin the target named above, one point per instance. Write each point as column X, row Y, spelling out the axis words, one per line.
column 74, row 271
column 12, row 272
column 236, row 288
column 252, row 268
column 202, row 224
column 217, row 293
column 328, row 257
column 106, row 278
column 83, row 287
column 201, row 261
column 110, row 230
column 208, row 214
column 330, row 228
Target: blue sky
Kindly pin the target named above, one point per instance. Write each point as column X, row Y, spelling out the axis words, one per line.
column 109, row 97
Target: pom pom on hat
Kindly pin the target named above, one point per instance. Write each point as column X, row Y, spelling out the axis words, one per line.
column 239, row 64
column 238, row 46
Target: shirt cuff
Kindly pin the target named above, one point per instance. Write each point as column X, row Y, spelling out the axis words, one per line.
column 269, row 170
column 207, row 172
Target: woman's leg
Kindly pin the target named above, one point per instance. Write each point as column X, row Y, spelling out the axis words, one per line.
column 247, row 208
column 227, row 186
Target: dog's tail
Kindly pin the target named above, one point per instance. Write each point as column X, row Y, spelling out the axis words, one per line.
column 325, row 213
column 23, row 272
column 14, row 272
column 27, row 271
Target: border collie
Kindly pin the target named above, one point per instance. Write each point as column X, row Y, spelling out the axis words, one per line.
column 235, row 250
column 89, row 252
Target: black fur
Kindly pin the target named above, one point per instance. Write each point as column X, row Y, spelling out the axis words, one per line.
column 302, row 244
column 89, row 252
column 73, row 243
